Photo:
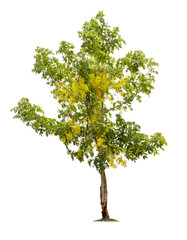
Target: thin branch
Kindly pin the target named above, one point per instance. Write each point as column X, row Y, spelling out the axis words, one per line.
column 113, row 108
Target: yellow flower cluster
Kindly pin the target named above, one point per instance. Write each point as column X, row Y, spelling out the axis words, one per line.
column 88, row 149
column 101, row 139
column 99, row 142
column 118, row 160
column 99, row 83
column 74, row 126
column 79, row 87
column 63, row 139
column 112, row 164
column 71, row 103
column 70, row 134
column 108, row 128
column 118, row 85
column 77, row 129
column 60, row 93
column 69, row 137
column 79, row 153
column 122, row 162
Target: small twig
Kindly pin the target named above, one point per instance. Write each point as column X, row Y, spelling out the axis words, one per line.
column 113, row 108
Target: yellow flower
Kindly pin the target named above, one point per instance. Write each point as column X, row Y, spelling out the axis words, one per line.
column 87, row 149
column 70, row 136
column 79, row 87
column 99, row 141
column 111, row 163
column 77, row 129
column 79, row 153
column 70, row 122
column 122, row 162
column 71, row 103
column 63, row 139
column 99, row 83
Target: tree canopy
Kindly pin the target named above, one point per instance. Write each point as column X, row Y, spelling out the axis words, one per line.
column 93, row 88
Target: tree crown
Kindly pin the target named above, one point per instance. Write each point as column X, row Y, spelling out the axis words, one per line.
column 91, row 87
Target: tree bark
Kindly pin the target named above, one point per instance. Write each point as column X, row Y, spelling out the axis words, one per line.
column 104, row 196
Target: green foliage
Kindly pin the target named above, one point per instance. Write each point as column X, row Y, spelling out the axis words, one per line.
column 91, row 85
column 99, row 40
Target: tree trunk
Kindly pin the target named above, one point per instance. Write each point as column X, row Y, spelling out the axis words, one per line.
column 104, row 196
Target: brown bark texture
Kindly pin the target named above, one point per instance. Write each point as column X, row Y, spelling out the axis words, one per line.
column 104, row 196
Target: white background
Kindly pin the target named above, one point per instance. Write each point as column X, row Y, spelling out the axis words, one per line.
column 43, row 194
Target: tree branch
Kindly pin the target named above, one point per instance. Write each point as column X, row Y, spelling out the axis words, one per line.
column 113, row 108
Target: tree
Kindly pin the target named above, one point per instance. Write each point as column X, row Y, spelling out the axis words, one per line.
column 93, row 89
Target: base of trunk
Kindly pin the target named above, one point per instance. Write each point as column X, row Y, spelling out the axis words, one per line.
column 106, row 220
